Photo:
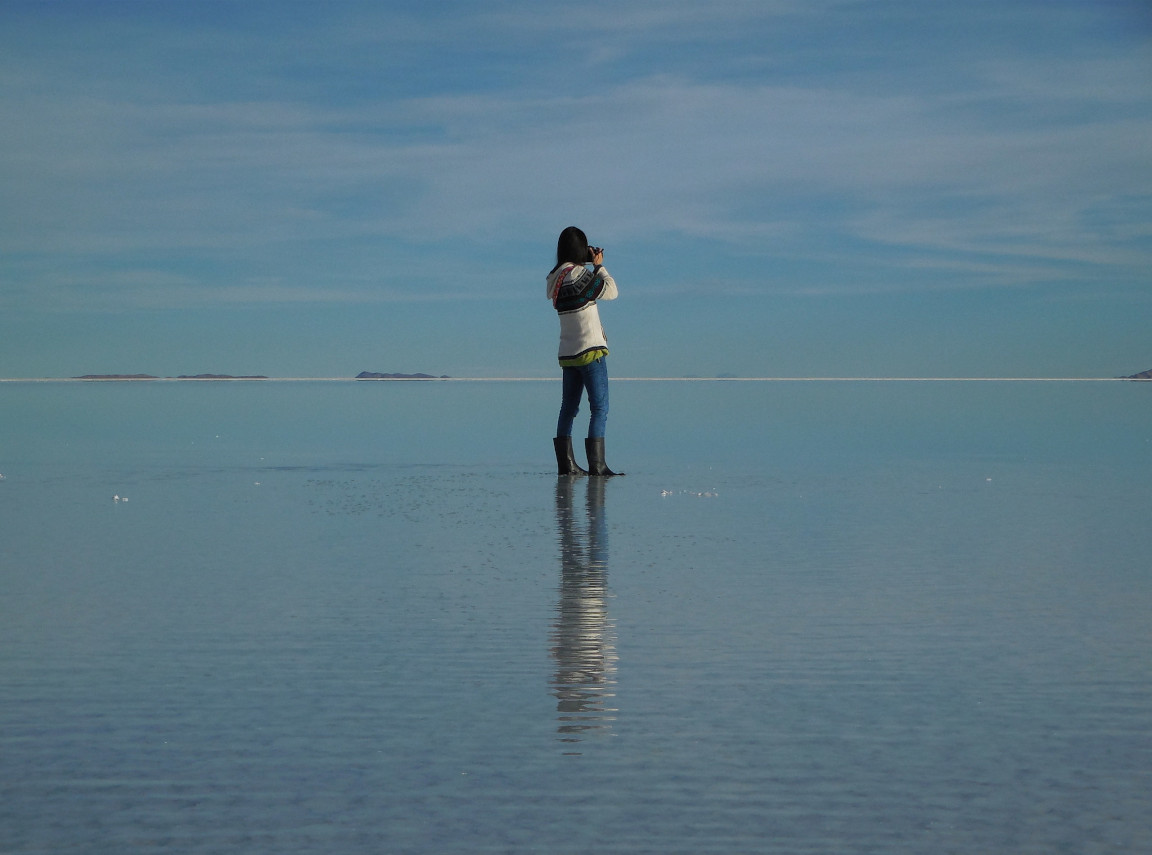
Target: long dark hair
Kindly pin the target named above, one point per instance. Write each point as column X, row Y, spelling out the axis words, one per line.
column 572, row 247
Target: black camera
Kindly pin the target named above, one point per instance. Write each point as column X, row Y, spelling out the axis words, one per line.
column 592, row 251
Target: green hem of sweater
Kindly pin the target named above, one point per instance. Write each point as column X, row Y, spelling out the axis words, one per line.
column 584, row 358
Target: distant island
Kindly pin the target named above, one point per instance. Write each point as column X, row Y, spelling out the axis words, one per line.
column 116, row 377
column 181, row 377
column 363, row 375
column 375, row 375
column 1143, row 375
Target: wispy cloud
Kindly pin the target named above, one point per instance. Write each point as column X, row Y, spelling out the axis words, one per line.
column 1030, row 162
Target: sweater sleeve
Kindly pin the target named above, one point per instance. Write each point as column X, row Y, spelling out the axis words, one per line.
column 609, row 291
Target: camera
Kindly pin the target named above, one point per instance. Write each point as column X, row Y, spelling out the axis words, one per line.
column 592, row 250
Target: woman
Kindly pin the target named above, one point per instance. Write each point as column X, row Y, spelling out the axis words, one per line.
column 574, row 290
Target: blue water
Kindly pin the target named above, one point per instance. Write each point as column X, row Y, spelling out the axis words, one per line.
column 366, row 617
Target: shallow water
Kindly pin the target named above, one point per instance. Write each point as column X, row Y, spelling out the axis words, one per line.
column 341, row 617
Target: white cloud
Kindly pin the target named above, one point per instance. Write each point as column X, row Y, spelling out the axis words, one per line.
column 1035, row 160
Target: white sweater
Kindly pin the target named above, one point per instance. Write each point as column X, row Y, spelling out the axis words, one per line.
column 573, row 290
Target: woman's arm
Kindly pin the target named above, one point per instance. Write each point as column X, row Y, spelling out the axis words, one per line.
column 608, row 289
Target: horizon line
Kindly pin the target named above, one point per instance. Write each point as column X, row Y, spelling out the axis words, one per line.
column 443, row 379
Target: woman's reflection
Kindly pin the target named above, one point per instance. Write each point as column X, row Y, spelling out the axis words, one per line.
column 583, row 636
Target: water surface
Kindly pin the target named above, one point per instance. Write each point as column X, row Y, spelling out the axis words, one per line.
column 341, row 617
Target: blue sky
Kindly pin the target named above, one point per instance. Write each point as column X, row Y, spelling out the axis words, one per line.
column 783, row 187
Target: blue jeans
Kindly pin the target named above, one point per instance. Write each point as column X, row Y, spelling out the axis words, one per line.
column 594, row 378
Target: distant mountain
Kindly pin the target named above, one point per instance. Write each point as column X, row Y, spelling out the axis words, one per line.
column 181, row 377
column 1143, row 375
column 116, row 377
column 375, row 375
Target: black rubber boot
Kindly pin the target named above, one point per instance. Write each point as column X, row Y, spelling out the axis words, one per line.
column 565, row 463
column 596, row 465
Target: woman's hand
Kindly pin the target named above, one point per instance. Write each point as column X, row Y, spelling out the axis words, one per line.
column 598, row 256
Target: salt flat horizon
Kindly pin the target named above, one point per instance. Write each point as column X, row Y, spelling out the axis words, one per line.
column 552, row 379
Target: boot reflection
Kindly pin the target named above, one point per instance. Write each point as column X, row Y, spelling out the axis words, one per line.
column 583, row 634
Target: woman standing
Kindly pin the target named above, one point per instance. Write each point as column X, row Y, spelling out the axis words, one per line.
column 574, row 290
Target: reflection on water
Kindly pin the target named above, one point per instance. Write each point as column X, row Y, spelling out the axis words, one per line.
column 583, row 635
